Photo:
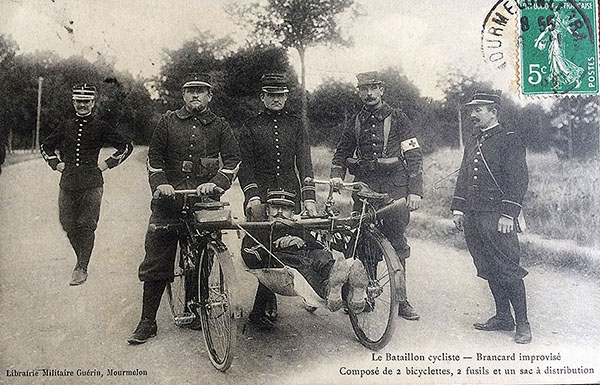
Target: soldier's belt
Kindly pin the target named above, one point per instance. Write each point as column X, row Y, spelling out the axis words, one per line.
column 361, row 166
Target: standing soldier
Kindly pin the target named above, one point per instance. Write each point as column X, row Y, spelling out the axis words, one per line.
column 79, row 140
column 487, row 200
column 275, row 156
column 388, row 158
column 183, row 154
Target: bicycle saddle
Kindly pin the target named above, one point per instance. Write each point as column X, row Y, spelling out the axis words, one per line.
column 364, row 191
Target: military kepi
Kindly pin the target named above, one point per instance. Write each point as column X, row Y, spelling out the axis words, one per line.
column 281, row 197
column 197, row 80
column 84, row 92
column 483, row 98
column 369, row 78
column 274, row 83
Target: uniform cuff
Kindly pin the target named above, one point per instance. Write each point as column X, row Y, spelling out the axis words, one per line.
column 415, row 186
column 458, row 204
column 337, row 172
column 156, row 179
column 53, row 163
column 308, row 193
column 221, row 181
column 511, row 208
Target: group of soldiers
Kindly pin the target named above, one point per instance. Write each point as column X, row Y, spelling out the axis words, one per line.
column 192, row 148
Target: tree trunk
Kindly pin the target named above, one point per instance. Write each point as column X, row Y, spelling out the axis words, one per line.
column 301, row 51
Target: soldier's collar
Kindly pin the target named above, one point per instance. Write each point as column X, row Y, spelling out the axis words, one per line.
column 380, row 114
column 86, row 118
column 489, row 132
column 205, row 117
column 274, row 113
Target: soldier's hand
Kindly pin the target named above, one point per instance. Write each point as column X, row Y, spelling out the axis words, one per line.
column 102, row 166
column 459, row 221
column 255, row 210
column 164, row 190
column 289, row 241
column 311, row 209
column 413, row 202
column 505, row 225
column 60, row 167
column 206, row 188
column 336, row 183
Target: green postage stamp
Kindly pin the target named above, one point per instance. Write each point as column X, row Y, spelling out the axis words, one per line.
column 559, row 47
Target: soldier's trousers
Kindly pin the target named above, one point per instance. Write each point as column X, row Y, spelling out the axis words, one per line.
column 161, row 246
column 79, row 211
column 393, row 225
column 496, row 257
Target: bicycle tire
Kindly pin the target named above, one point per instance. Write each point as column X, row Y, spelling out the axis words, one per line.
column 374, row 327
column 216, row 306
column 184, row 276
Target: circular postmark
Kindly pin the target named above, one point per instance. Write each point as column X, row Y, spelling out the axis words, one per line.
column 550, row 45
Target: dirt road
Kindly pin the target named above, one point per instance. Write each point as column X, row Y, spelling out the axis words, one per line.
column 47, row 324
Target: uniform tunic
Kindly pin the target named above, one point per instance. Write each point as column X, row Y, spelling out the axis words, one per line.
column 79, row 141
column 484, row 201
column 185, row 151
column 273, row 146
column 368, row 144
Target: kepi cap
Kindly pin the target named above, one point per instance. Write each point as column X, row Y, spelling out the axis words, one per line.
column 197, row 80
column 274, row 83
column 368, row 78
column 485, row 98
column 281, row 197
column 84, row 92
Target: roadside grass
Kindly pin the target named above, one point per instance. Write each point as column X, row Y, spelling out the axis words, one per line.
column 561, row 207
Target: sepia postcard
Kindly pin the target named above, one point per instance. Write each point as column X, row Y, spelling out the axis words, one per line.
column 467, row 251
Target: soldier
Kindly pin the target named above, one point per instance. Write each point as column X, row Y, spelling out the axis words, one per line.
column 487, row 201
column 183, row 154
column 288, row 245
column 275, row 156
column 388, row 159
column 79, row 140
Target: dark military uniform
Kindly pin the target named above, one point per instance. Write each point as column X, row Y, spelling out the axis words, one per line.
column 184, row 152
column 312, row 261
column 491, row 184
column 273, row 146
column 366, row 138
column 79, row 140
column 483, row 200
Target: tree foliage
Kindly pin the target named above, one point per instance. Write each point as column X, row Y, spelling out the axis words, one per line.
column 296, row 24
column 121, row 100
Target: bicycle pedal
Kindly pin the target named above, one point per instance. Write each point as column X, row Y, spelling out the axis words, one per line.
column 184, row 319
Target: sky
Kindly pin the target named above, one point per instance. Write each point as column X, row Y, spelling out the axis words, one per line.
column 425, row 38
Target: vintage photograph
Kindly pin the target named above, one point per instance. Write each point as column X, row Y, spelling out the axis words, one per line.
column 299, row 192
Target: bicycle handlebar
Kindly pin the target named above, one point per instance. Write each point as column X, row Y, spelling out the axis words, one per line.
column 217, row 191
column 352, row 186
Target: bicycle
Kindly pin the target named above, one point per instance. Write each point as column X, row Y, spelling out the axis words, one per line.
column 204, row 280
column 205, row 284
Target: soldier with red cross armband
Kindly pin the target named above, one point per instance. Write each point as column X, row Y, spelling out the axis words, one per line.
column 379, row 148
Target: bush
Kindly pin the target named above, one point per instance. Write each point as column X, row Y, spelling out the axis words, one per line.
column 560, row 202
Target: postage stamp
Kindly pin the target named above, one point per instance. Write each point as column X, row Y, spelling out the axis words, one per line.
column 558, row 47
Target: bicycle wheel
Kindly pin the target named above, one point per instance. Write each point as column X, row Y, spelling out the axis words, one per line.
column 216, row 306
column 374, row 327
column 179, row 291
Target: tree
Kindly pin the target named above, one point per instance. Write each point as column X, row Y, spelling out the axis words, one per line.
column 576, row 127
column 9, row 81
column 296, row 24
